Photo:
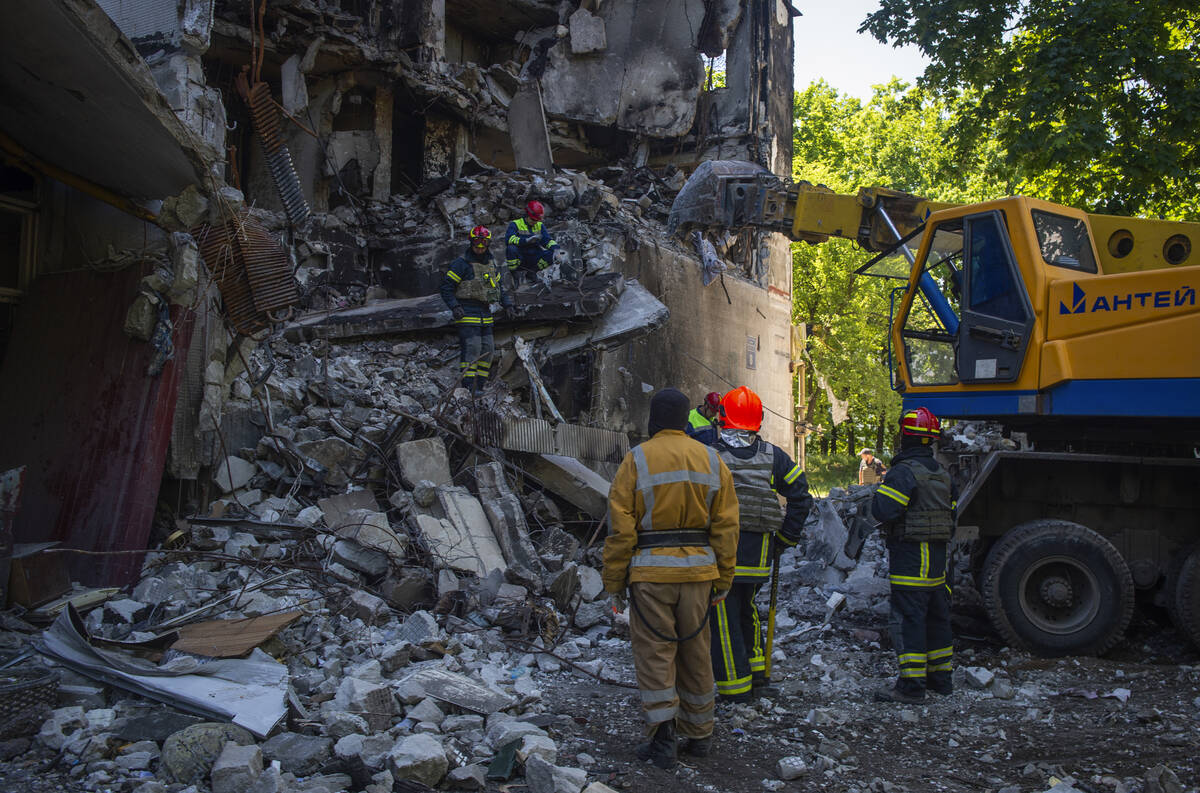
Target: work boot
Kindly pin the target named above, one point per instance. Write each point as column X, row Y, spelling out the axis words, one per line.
column 903, row 691
column 696, row 747
column 940, row 683
column 763, row 688
column 660, row 749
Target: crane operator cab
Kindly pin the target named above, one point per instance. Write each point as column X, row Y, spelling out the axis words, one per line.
column 1004, row 311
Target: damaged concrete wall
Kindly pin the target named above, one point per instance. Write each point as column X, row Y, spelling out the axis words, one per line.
column 743, row 341
column 645, row 79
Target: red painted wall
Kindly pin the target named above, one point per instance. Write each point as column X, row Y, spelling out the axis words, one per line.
column 77, row 408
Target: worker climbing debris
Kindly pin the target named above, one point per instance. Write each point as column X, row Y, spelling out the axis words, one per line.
column 529, row 248
column 469, row 288
column 672, row 545
column 762, row 472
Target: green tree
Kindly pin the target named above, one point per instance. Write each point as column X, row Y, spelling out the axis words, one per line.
column 895, row 140
column 1094, row 103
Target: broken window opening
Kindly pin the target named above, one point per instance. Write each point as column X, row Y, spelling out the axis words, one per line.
column 357, row 112
column 408, row 136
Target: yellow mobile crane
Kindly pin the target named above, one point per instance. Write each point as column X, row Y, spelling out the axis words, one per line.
column 1080, row 331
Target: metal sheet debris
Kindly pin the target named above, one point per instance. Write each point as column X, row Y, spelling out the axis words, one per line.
column 249, row 692
column 231, row 638
column 538, row 436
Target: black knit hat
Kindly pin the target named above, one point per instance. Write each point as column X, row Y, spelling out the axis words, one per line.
column 669, row 410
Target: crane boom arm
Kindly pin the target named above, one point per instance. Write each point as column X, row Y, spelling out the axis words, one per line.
column 732, row 194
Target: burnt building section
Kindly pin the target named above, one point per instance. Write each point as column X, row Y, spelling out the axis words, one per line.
column 202, row 183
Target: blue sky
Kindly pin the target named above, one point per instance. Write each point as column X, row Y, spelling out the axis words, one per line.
column 829, row 46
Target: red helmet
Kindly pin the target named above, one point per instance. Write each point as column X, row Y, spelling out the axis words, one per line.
column 741, row 409
column 480, row 233
column 920, row 423
column 534, row 210
column 713, row 400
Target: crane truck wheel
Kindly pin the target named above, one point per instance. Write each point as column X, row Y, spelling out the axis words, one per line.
column 1057, row 588
column 1184, row 605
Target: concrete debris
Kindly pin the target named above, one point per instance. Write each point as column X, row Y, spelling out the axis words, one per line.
column 418, row 757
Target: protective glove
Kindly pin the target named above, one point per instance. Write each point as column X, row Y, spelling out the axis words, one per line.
column 618, row 601
column 458, row 312
column 718, row 595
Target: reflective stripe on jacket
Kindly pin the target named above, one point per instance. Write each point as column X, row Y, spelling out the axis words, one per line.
column 671, row 482
column 696, row 421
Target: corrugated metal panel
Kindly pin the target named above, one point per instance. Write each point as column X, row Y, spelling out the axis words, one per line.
column 251, row 269
column 538, row 436
column 139, row 18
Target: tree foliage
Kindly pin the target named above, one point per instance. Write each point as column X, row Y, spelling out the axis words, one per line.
column 1094, row 103
column 894, row 140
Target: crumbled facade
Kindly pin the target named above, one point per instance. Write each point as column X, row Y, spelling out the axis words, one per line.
column 367, row 138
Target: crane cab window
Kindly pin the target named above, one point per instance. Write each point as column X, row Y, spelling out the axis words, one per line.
column 932, row 323
column 994, row 289
column 1064, row 241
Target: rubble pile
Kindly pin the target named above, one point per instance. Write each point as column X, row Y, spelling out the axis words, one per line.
column 357, row 252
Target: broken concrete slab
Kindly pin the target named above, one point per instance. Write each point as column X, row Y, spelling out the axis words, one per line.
column 570, row 479
column 373, row 530
column 507, row 517
column 423, row 460
column 233, row 473
column 237, row 768
column 527, row 129
column 464, row 539
column 419, row 757
column 587, row 32
column 456, row 689
column 337, row 508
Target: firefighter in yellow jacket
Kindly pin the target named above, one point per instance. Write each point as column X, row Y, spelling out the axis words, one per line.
column 673, row 518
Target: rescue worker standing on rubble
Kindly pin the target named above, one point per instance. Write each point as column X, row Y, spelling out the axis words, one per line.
column 529, row 246
column 673, row 526
column 761, row 473
column 469, row 288
column 915, row 504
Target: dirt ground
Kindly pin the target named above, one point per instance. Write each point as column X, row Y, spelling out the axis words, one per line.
column 969, row 741
column 823, row 712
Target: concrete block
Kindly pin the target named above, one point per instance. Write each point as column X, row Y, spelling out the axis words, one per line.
column 545, row 777
column 233, row 473
column 295, row 91
column 570, row 479
column 468, row 777
column 420, row 758
column 527, row 129
column 364, row 560
column 372, row 530
column 507, row 518
column 464, row 540
column 373, row 701
column 587, row 32
column 236, row 768
column 423, row 459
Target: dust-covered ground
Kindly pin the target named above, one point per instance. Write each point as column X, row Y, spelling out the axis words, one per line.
column 1039, row 720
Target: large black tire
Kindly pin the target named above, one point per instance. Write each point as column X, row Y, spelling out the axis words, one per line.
column 1057, row 588
column 1184, row 602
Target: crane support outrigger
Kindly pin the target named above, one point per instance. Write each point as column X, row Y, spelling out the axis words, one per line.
column 1080, row 331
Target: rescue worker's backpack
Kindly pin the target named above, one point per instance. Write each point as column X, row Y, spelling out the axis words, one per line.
column 930, row 513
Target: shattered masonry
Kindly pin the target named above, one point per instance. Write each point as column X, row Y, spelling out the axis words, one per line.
column 402, row 125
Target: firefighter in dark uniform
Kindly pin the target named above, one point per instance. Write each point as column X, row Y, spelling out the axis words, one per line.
column 761, row 473
column 469, row 288
column 529, row 248
column 915, row 504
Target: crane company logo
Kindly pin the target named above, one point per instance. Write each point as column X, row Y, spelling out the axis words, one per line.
column 1164, row 298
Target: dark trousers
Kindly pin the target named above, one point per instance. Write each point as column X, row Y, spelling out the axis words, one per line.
column 475, row 347
column 920, row 611
column 737, row 643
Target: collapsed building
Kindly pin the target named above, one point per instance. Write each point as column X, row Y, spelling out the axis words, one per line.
column 188, row 186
